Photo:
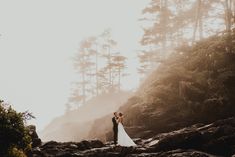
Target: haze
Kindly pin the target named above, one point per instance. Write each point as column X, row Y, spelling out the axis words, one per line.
column 39, row 38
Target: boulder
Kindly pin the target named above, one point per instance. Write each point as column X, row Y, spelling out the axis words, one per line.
column 36, row 141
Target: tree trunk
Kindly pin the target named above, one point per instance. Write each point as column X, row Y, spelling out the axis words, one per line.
column 200, row 26
column 196, row 20
column 96, row 71
column 109, row 63
column 233, row 11
column 228, row 16
column 83, row 88
column 164, row 6
column 119, row 79
column 179, row 30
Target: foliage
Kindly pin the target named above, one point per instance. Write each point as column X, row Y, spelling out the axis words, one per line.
column 176, row 23
column 14, row 152
column 195, row 84
column 14, row 136
column 100, row 68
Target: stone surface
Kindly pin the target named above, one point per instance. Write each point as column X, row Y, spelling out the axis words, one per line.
column 215, row 139
column 175, row 153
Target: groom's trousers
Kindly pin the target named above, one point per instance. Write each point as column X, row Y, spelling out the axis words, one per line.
column 115, row 134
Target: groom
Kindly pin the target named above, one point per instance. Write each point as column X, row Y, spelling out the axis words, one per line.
column 115, row 127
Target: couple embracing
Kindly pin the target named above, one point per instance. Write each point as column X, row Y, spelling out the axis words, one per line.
column 120, row 136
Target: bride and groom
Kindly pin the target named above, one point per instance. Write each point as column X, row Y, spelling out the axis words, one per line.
column 120, row 136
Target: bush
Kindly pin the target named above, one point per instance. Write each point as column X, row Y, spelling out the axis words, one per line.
column 14, row 136
column 14, row 152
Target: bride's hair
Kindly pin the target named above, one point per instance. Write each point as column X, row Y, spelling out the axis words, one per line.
column 120, row 114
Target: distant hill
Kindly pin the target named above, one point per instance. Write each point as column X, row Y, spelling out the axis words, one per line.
column 195, row 84
column 75, row 125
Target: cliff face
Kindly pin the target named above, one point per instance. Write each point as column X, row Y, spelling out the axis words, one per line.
column 194, row 85
column 75, row 125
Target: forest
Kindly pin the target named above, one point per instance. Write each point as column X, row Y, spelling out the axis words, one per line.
column 184, row 105
column 167, row 25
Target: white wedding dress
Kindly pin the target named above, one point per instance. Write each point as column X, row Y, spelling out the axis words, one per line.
column 123, row 138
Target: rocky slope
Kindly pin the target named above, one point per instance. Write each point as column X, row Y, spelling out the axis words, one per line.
column 75, row 125
column 199, row 140
column 196, row 84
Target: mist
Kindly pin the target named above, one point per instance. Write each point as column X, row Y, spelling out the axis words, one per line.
column 117, row 78
column 39, row 41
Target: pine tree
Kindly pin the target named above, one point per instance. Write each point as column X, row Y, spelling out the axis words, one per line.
column 118, row 66
column 85, row 65
column 108, row 46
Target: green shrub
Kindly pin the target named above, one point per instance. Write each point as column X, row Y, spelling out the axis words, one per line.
column 14, row 152
column 14, row 136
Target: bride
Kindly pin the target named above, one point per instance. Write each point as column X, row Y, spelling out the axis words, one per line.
column 123, row 138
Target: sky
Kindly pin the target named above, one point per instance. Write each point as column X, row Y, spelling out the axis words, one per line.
column 39, row 38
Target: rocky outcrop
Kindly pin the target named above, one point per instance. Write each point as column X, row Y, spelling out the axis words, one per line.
column 199, row 140
column 216, row 138
column 53, row 148
column 36, row 141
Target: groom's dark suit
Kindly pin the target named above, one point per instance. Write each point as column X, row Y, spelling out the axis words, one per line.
column 115, row 130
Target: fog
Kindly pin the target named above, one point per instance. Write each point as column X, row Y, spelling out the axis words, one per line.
column 76, row 125
column 73, row 62
column 39, row 39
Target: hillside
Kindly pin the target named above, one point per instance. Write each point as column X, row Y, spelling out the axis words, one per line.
column 196, row 84
column 76, row 124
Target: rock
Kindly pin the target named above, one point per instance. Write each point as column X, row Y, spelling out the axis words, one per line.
column 175, row 153
column 66, row 149
column 36, row 141
column 89, row 144
column 96, row 144
column 36, row 152
column 198, row 140
column 216, row 138
column 138, row 141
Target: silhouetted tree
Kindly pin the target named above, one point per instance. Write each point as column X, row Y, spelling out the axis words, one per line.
column 85, row 65
column 108, row 44
column 118, row 66
column 99, row 67
column 168, row 24
column 228, row 11
column 147, row 61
